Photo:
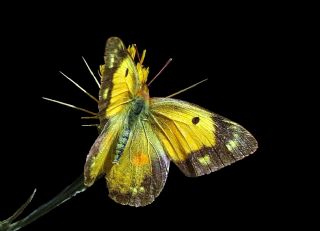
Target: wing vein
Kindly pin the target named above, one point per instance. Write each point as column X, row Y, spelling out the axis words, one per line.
column 191, row 161
column 148, row 143
column 164, row 132
column 196, row 134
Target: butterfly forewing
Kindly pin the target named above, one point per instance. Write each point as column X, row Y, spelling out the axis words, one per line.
column 196, row 140
column 119, row 81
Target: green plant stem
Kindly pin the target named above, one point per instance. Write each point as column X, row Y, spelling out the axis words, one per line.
column 70, row 191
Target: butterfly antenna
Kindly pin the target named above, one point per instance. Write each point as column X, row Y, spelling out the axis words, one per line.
column 162, row 69
column 96, row 80
column 78, row 86
column 183, row 90
column 71, row 106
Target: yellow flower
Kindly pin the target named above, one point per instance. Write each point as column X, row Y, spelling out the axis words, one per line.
column 142, row 71
column 132, row 51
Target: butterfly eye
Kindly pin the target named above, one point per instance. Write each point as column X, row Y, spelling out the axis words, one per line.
column 195, row 120
column 127, row 72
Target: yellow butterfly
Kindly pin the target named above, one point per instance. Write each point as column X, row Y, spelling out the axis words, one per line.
column 139, row 135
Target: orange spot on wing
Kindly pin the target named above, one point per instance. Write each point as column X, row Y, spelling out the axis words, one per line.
column 140, row 159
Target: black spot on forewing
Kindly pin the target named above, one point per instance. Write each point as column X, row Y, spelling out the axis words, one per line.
column 127, row 72
column 195, row 120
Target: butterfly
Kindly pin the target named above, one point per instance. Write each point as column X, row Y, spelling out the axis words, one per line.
column 140, row 135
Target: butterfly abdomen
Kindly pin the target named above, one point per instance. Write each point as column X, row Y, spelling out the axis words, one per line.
column 121, row 144
column 136, row 109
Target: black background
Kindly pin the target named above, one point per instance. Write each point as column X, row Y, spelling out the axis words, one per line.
column 237, row 47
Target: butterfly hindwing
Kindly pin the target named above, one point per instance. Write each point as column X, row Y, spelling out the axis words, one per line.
column 196, row 140
column 142, row 171
column 101, row 152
